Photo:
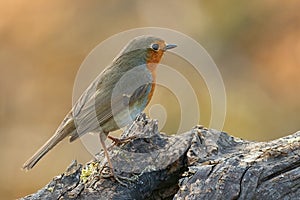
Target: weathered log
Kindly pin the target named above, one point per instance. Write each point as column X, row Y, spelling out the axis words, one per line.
column 199, row 164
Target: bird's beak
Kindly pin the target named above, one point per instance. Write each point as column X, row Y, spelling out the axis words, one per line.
column 170, row 46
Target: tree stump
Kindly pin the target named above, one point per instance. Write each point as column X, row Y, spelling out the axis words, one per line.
column 199, row 164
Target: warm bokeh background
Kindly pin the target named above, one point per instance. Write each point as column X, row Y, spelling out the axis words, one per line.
column 255, row 44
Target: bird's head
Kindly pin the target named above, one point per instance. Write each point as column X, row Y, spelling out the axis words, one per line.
column 146, row 50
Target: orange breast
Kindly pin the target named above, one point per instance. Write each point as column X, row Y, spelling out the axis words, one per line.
column 154, row 58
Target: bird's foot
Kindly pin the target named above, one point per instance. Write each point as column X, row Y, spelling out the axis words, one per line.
column 123, row 180
column 118, row 141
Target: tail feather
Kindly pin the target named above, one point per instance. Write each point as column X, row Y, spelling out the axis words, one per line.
column 64, row 130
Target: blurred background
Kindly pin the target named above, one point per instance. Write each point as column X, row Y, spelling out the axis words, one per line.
column 255, row 44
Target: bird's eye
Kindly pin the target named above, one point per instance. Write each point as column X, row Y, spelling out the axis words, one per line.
column 155, row 47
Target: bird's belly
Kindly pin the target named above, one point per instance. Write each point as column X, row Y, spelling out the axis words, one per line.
column 124, row 117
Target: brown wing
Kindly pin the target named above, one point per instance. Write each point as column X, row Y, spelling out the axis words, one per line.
column 107, row 97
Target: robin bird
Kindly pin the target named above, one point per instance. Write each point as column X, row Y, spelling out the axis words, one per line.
column 118, row 94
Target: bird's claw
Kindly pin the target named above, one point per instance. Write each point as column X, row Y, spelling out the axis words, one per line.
column 120, row 179
column 118, row 141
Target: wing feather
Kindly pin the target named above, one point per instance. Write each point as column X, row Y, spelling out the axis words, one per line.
column 106, row 98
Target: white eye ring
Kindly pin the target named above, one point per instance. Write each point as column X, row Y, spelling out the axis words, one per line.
column 155, row 47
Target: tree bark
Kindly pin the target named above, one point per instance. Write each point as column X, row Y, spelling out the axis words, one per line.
column 199, row 164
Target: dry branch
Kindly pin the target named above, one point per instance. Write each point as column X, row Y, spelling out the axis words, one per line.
column 199, row 164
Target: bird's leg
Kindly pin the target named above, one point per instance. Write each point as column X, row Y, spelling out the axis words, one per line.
column 106, row 154
column 109, row 161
